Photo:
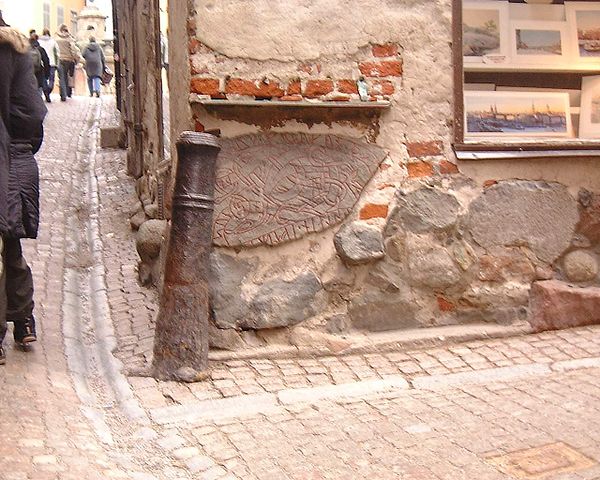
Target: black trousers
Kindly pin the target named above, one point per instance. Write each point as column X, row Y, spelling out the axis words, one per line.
column 2, row 297
column 17, row 294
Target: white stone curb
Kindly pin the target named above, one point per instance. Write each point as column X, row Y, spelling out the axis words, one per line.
column 576, row 364
column 233, row 407
column 270, row 403
column 344, row 390
column 437, row 382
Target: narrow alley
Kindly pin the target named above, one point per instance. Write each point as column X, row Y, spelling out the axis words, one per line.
column 74, row 406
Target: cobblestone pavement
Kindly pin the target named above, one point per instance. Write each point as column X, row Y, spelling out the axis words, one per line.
column 520, row 407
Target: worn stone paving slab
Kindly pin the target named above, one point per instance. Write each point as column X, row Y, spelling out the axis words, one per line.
column 249, row 377
column 453, row 433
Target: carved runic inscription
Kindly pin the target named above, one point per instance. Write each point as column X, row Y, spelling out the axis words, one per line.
column 273, row 188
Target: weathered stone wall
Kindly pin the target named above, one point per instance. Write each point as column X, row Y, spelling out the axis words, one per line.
column 307, row 249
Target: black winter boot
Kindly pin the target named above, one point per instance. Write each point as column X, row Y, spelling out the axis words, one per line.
column 24, row 331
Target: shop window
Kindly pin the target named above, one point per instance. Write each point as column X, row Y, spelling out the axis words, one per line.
column 527, row 75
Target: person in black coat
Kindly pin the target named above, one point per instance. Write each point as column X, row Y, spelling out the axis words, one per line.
column 22, row 112
column 40, row 61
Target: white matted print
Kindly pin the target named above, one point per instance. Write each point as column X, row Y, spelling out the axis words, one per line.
column 485, row 32
column 584, row 26
column 517, row 114
column 536, row 42
column 589, row 118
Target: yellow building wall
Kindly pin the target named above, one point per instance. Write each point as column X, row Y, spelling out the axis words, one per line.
column 27, row 14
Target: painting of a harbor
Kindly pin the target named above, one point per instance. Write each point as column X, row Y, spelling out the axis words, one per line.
column 518, row 114
column 588, row 33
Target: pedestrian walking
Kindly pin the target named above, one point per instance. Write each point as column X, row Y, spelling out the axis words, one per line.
column 22, row 112
column 40, row 62
column 69, row 55
column 94, row 66
column 51, row 48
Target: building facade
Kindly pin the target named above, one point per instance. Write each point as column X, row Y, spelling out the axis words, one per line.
column 349, row 196
column 39, row 14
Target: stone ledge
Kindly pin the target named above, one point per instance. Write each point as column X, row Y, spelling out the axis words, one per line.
column 391, row 341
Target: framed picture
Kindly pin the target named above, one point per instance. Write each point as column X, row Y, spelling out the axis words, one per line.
column 539, row 42
column 517, row 114
column 589, row 117
column 583, row 19
column 485, row 32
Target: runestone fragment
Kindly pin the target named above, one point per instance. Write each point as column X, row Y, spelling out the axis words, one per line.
column 274, row 188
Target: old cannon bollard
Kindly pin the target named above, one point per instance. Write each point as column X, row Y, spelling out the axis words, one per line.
column 181, row 338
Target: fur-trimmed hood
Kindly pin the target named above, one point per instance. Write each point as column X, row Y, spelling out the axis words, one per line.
column 14, row 38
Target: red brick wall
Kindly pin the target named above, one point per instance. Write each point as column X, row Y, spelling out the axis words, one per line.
column 380, row 67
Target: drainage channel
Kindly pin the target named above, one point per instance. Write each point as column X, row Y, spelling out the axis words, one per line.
column 87, row 327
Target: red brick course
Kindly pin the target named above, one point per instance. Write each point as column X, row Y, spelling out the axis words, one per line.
column 385, row 50
column 391, row 68
column 347, row 86
column 420, row 169
column 448, row 168
column 373, row 210
column 317, row 88
column 205, row 86
column 425, row 149
column 294, row 88
column 239, row 86
column 444, row 305
column 382, row 87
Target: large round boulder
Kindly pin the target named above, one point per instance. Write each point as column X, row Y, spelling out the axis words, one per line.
column 581, row 266
column 149, row 238
column 538, row 215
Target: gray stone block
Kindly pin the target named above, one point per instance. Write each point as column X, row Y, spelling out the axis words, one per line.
column 377, row 311
column 281, row 303
column 539, row 215
column 112, row 137
column 359, row 243
column 228, row 276
column 430, row 265
column 423, row 210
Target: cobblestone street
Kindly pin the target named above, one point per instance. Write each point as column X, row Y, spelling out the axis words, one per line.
column 523, row 407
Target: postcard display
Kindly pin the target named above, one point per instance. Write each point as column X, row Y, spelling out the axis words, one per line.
column 501, row 37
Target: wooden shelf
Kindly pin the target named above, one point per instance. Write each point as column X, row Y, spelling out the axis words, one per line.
column 582, row 69
column 522, row 148
column 282, row 104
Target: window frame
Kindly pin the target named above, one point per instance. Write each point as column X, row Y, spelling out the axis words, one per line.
column 73, row 22
column 489, row 150
column 47, row 15
column 60, row 15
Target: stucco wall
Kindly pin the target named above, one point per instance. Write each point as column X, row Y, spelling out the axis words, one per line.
column 427, row 242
